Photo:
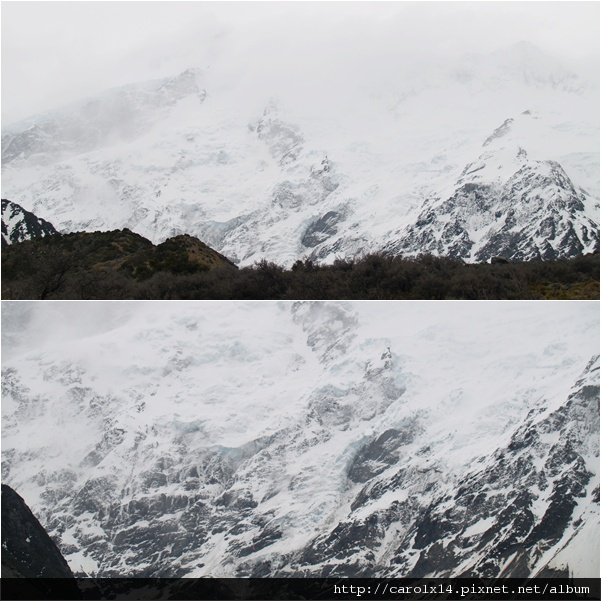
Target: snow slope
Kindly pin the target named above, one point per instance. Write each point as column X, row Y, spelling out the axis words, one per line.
column 506, row 203
column 306, row 438
column 351, row 167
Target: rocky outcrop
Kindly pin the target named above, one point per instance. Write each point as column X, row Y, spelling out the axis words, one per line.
column 27, row 550
column 19, row 225
column 31, row 556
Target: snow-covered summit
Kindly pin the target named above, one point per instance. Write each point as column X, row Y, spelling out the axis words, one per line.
column 507, row 203
column 118, row 115
column 242, row 167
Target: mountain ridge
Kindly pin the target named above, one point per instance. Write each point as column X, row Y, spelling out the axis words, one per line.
column 281, row 185
column 389, row 457
column 19, row 225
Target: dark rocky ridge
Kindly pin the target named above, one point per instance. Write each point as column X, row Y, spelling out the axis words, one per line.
column 27, row 550
column 30, row 555
column 505, row 204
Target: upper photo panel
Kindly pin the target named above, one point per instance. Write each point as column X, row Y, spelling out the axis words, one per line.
column 300, row 150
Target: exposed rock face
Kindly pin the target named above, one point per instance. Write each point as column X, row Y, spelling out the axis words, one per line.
column 19, row 224
column 505, row 204
column 191, row 454
column 27, row 550
column 528, row 491
column 321, row 229
column 261, row 180
column 378, row 455
column 284, row 140
column 516, row 508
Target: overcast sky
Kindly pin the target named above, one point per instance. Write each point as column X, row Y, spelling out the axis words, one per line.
column 56, row 52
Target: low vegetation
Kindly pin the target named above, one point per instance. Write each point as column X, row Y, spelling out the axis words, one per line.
column 123, row 265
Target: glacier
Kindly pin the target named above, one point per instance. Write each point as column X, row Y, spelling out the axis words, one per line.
column 307, row 439
column 494, row 154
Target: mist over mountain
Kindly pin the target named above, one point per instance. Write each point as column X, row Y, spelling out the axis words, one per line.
column 307, row 439
column 286, row 147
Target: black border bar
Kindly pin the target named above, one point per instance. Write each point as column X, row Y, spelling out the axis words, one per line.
column 289, row 589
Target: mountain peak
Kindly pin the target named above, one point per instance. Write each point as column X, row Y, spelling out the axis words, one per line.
column 19, row 225
column 245, row 176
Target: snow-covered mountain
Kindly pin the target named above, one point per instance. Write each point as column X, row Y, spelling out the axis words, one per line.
column 505, row 203
column 290, row 439
column 493, row 154
column 116, row 116
column 19, row 224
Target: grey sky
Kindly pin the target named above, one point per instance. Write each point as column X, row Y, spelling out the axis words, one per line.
column 56, row 52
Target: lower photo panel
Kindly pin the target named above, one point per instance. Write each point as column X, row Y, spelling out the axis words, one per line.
column 300, row 450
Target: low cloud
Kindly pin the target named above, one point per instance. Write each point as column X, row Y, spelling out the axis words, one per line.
column 57, row 52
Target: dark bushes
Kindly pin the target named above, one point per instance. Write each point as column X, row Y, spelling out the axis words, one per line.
column 44, row 270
